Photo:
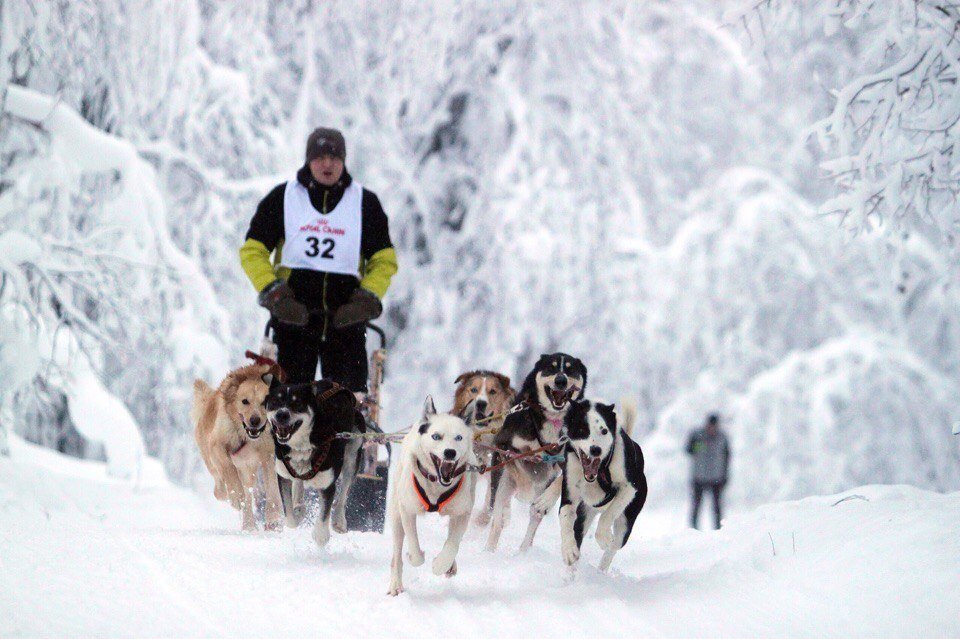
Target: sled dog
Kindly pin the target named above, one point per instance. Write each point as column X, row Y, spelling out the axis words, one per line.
column 555, row 381
column 431, row 476
column 229, row 427
column 482, row 394
column 602, row 475
column 306, row 419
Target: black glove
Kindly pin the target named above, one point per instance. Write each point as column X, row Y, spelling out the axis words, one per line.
column 278, row 298
column 362, row 307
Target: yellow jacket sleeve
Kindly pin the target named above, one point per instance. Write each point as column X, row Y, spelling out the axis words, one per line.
column 377, row 271
column 255, row 260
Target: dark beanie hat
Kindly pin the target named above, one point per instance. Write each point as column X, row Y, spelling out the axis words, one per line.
column 325, row 141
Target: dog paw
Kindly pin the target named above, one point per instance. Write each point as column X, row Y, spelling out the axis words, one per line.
column 321, row 535
column 274, row 526
column 415, row 558
column 453, row 570
column 571, row 554
column 543, row 503
column 482, row 518
column 604, row 537
column 395, row 588
column 339, row 524
column 442, row 564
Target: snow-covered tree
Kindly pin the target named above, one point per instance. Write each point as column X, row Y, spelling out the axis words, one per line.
column 890, row 135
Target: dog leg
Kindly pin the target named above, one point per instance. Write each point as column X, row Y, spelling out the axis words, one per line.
column 619, row 531
column 501, row 511
column 569, row 548
column 273, row 513
column 396, row 563
column 321, row 530
column 248, row 477
column 486, row 507
column 297, row 493
column 535, row 518
column 612, row 512
column 548, row 498
column 351, row 457
column 415, row 553
column 233, row 488
column 446, row 560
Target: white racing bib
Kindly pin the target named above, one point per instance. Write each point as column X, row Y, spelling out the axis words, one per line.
column 328, row 243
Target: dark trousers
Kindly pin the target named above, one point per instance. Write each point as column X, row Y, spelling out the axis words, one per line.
column 698, row 488
column 342, row 353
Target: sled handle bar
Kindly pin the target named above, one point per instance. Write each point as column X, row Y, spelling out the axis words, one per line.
column 370, row 325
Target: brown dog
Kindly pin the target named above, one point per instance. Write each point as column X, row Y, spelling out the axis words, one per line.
column 230, row 428
column 482, row 394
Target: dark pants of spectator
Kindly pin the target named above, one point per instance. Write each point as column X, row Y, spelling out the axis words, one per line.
column 342, row 354
column 717, row 489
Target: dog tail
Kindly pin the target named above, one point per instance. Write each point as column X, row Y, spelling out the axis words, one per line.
column 627, row 415
column 202, row 394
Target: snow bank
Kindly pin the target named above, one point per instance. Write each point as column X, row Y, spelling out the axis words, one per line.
column 85, row 555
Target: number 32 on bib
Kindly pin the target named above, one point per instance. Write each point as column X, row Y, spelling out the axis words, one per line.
column 318, row 242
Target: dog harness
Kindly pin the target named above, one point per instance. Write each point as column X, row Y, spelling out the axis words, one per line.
column 316, row 461
column 320, row 452
column 605, row 481
column 330, row 242
column 444, row 499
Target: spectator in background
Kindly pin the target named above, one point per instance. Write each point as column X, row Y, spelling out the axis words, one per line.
column 710, row 456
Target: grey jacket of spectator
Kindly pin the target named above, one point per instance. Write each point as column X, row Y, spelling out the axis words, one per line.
column 711, row 456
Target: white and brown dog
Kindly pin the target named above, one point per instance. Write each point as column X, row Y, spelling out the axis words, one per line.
column 481, row 395
column 229, row 427
column 555, row 381
column 431, row 476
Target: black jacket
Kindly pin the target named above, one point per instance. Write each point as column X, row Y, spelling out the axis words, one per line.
column 316, row 289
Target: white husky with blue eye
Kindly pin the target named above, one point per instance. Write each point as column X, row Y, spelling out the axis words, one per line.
column 432, row 475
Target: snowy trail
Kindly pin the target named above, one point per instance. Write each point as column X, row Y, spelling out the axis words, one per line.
column 85, row 555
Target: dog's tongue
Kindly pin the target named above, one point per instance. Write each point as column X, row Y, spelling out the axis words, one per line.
column 590, row 467
column 446, row 469
column 559, row 397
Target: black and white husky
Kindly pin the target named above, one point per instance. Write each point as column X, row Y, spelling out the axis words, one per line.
column 555, row 381
column 431, row 476
column 306, row 419
column 602, row 475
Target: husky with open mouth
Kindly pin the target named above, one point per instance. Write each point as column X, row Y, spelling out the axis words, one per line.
column 602, row 475
column 306, row 420
column 547, row 392
column 431, row 476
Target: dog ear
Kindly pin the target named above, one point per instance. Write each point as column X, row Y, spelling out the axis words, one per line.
column 463, row 377
column 267, row 379
column 428, row 407
column 505, row 382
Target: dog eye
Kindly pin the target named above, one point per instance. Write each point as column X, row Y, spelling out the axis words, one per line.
column 437, row 437
column 603, row 431
column 474, row 390
column 493, row 391
column 245, row 402
column 458, row 438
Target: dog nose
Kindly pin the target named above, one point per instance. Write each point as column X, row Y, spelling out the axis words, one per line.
column 449, row 454
column 283, row 415
column 481, row 405
column 595, row 451
column 254, row 420
column 560, row 381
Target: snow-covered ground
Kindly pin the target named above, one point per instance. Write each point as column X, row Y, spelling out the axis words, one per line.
column 86, row 555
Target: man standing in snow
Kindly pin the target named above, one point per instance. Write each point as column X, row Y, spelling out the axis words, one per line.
column 710, row 452
column 332, row 263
